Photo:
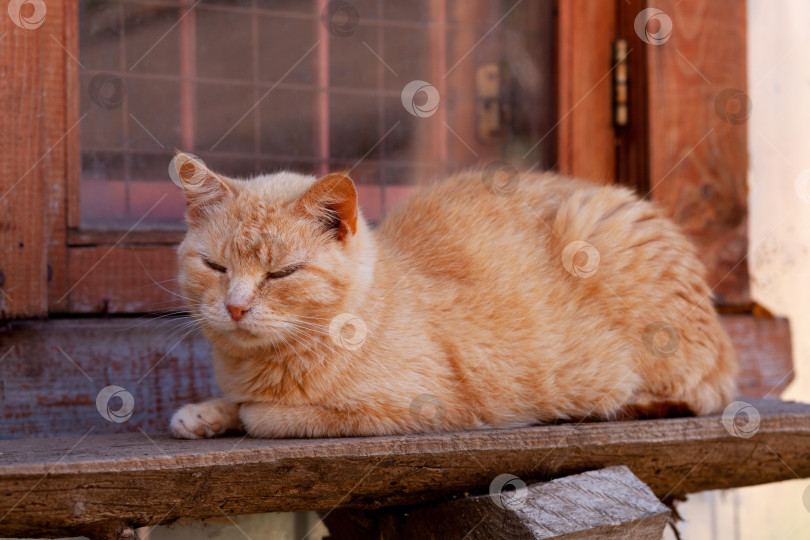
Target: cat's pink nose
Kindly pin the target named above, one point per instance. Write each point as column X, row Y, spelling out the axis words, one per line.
column 237, row 312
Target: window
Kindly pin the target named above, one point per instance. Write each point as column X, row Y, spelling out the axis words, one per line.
column 101, row 94
column 256, row 86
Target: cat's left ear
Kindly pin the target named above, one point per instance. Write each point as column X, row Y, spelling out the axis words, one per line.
column 333, row 201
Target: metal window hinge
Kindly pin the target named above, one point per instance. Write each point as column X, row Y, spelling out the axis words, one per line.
column 493, row 93
column 620, row 111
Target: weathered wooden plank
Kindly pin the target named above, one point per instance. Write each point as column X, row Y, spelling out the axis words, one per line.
column 605, row 503
column 51, row 374
column 123, row 279
column 99, row 238
column 65, row 485
column 696, row 84
column 765, row 352
column 42, row 394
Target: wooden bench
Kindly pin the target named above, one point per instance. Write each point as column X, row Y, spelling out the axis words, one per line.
column 102, row 486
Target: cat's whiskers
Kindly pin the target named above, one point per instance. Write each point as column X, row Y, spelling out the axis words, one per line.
column 180, row 324
column 316, row 326
column 301, row 333
column 192, row 323
column 314, row 320
column 304, row 363
column 189, row 330
column 145, row 271
column 182, row 329
column 148, row 318
column 281, row 344
column 294, row 320
column 168, row 317
column 155, row 283
column 311, row 317
column 322, row 330
column 325, row 343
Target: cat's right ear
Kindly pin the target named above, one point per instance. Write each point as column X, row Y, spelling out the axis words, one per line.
column 332, row 200
column 202, row 187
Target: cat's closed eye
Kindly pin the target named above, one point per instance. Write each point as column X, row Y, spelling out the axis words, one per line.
column 214, row 266
column 284, row 272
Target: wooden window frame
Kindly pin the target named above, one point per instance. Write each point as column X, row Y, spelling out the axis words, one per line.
column 48, row 265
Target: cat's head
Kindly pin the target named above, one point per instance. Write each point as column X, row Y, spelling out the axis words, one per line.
column 268, row 257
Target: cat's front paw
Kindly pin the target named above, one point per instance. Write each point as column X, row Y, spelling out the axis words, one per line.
column 205, row 420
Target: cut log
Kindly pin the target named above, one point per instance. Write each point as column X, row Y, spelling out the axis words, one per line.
column 63, row 486
column 606, row 503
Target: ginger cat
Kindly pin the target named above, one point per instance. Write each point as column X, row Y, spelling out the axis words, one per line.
column 467, row 308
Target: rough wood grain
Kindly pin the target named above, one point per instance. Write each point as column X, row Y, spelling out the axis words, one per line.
column 27, row 135
column 585, row 89
column 51, row 373
column 123, row 279
column 59, row 127
column 73, row 153
column 65, row 485
column 765, row 352
column 99, row 238
column 698, row 160
column 605, row 503
column 43, row 394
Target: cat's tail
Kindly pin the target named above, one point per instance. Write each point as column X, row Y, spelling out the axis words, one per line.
column 700, row 377
column 625, row 245
column 710, row 392
column 718, row 386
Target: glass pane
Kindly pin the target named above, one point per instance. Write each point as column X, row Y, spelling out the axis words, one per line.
column 399, row 92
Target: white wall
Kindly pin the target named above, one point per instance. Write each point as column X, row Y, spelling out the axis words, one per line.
column 779, row 148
